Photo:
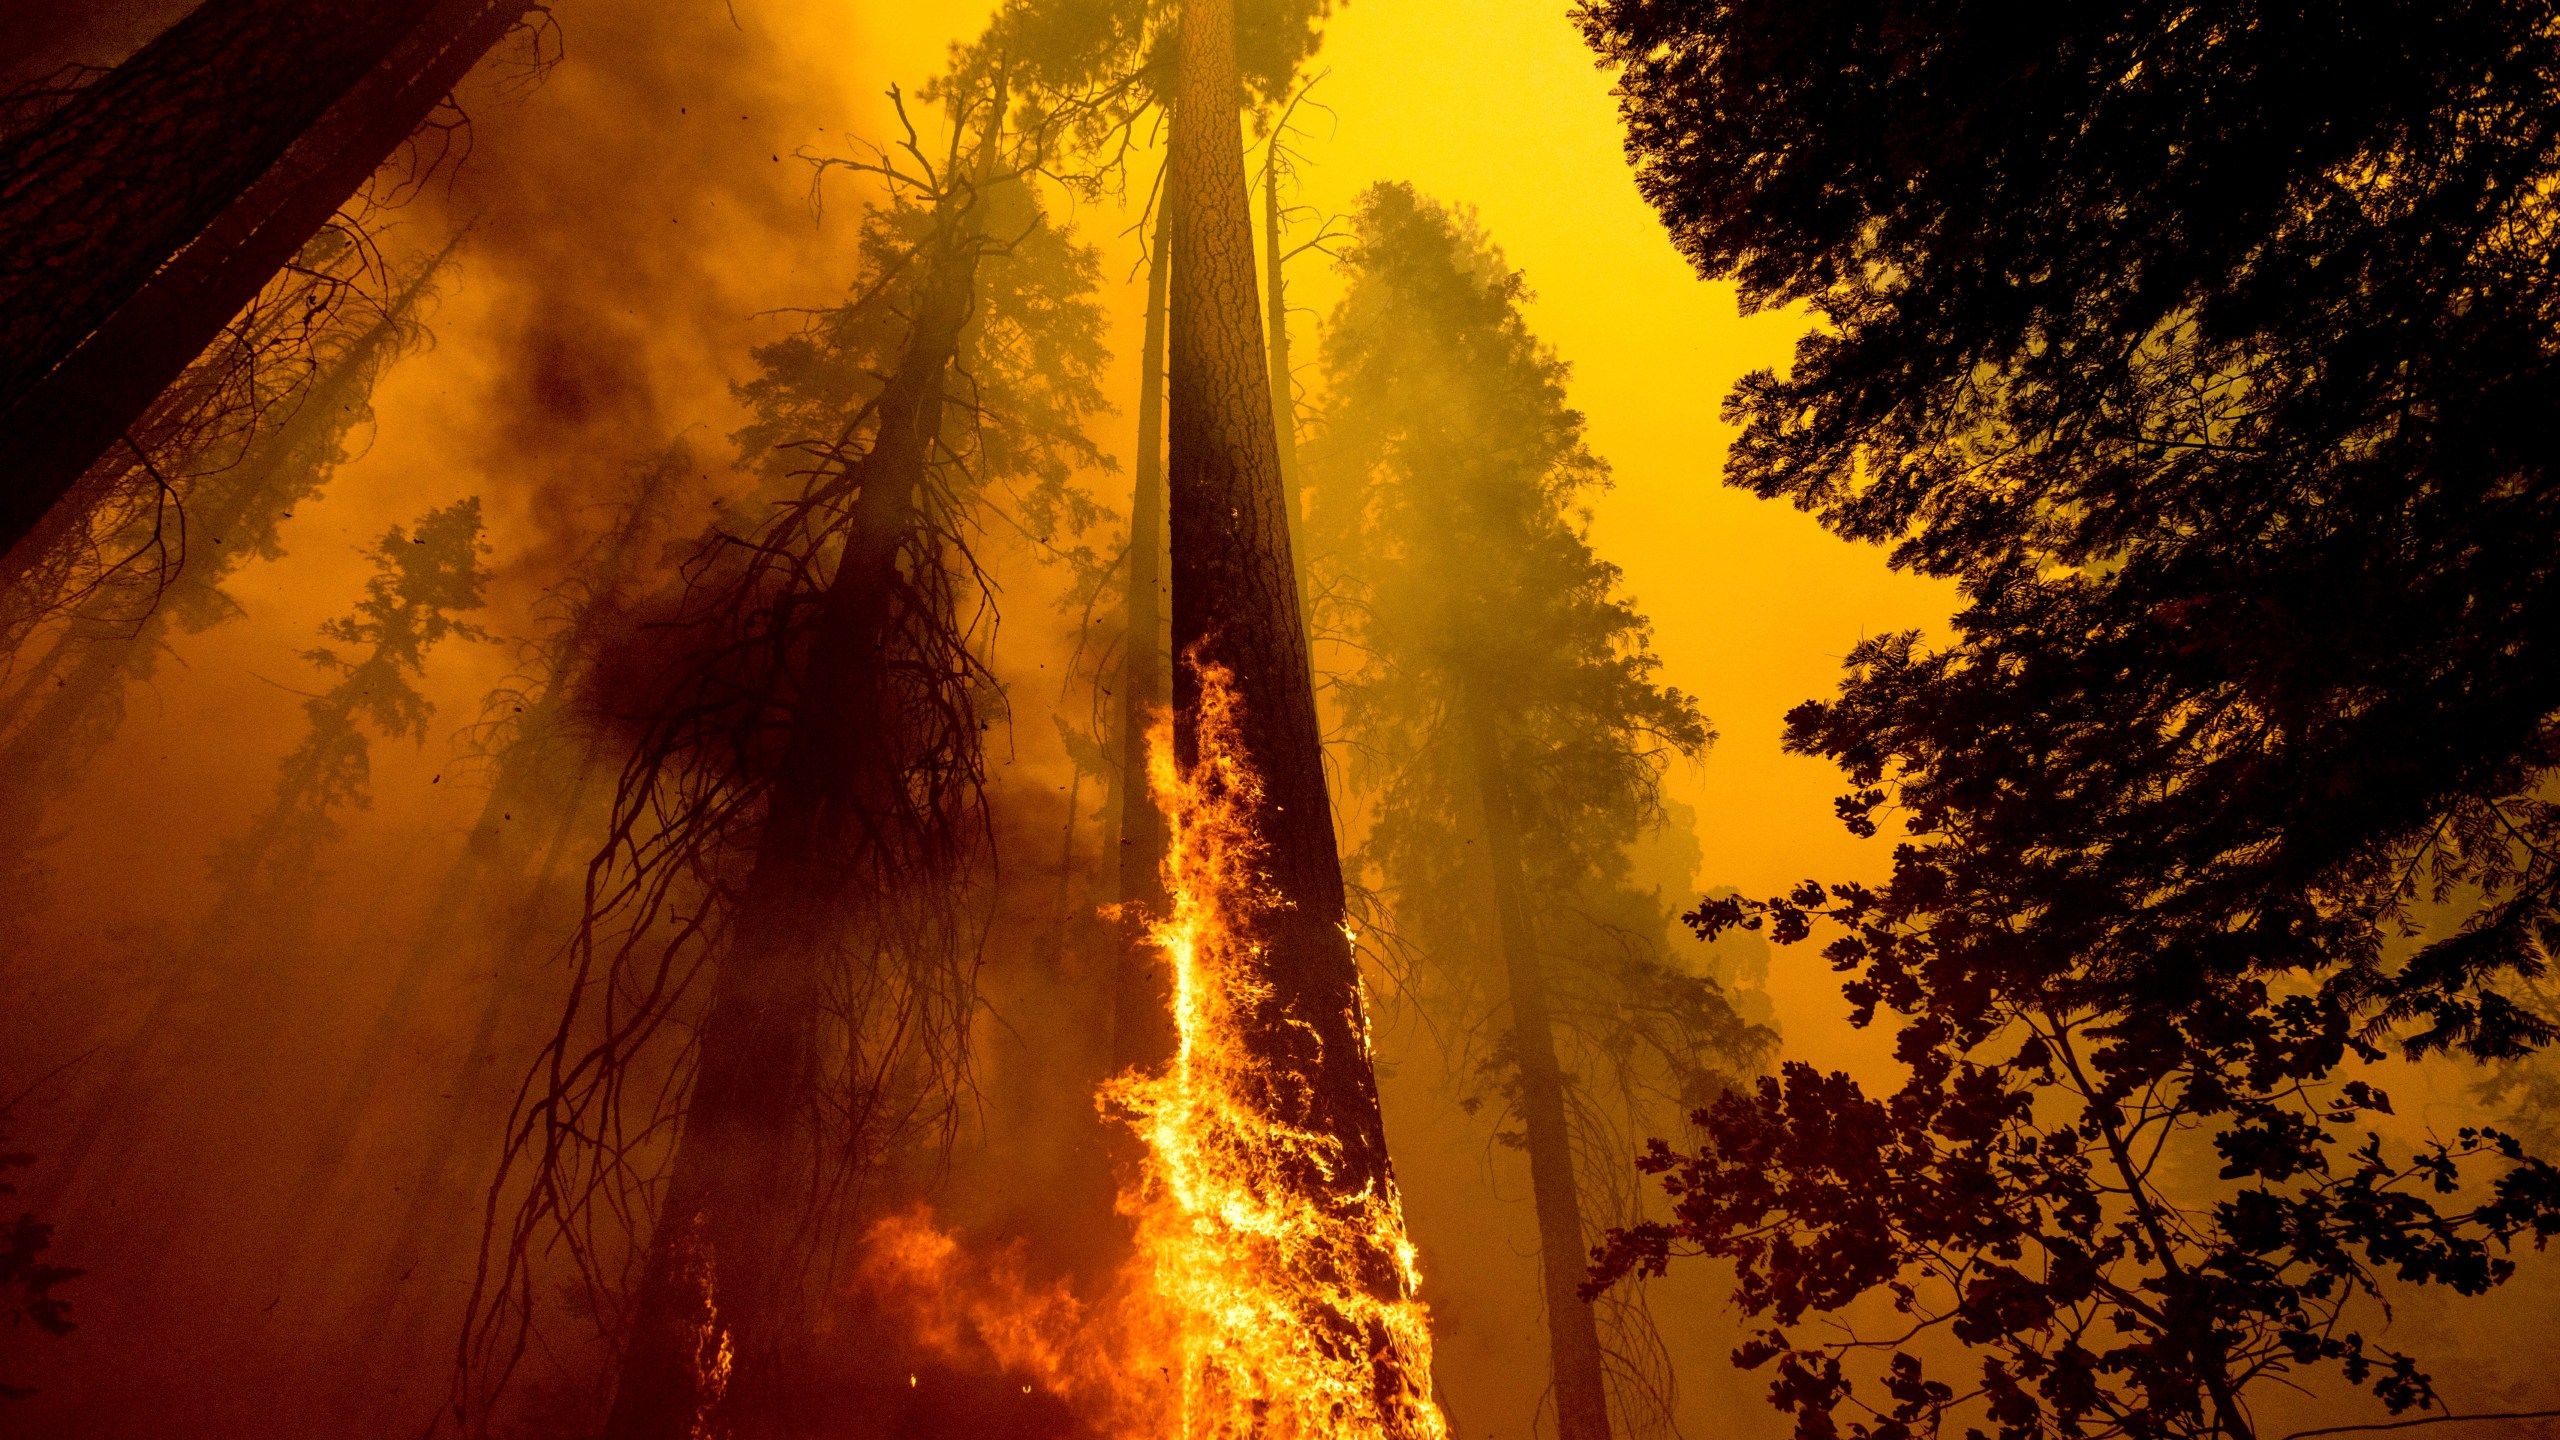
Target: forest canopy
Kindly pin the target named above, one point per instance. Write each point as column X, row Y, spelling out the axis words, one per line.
column 814, row 721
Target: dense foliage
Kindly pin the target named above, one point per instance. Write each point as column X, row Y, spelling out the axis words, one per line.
column 2207, row 350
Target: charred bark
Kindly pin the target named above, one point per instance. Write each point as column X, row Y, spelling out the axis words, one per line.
column 1573, row 1330
column 155, row 206
column 1142, row 1018
column 1235, row 607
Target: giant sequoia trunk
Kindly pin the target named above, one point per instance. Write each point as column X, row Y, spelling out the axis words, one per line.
column 149, row 210
column 1573, row 1331
column 1142, row 1025
column 1235, row 607
column 715, row 1302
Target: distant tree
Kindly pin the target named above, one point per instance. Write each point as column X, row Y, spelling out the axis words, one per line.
column 1505, row 716
column 225, row 992
column 1140, row 1022
column 2204, row 352
column 27, row 1278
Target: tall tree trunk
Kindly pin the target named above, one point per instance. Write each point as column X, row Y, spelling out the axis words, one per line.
column 1235, row 607
column 1573, row 1331
column 1284, row 399
column 1142, row 1018
column 158, row 203
column 715, row 1290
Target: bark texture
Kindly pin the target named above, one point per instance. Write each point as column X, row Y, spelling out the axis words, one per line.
column 1235, row 605
column 134, row 234
column 1573, row 1331
column 1142, row 1010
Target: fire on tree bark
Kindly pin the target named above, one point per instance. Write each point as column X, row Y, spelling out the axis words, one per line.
column 152, row 207
column 1235, row 608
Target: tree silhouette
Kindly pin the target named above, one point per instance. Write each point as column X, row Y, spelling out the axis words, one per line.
column 219, row 1007
column 783, row 912
column 1505, row 714
column 2198, row 350
column 2203, row 357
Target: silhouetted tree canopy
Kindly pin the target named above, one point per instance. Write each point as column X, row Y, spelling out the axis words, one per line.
column 2209, row 352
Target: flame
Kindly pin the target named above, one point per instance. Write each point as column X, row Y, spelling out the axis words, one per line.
column 1260, row 1284
column 1250, row 1309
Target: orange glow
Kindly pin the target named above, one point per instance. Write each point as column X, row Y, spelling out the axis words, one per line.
column 1256, row 1283
column 1240, row 1313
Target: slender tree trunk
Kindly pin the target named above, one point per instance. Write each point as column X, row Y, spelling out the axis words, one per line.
column 715, row 1292
column 1142, row 1018
column 1284, row 399
column 440, row 1212
column 1235, row 607
column 1573, row 1331
column 276, row 112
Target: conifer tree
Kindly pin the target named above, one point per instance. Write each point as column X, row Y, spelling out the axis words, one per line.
column 1505, row 718
column 222, row 1000
column 808, row 783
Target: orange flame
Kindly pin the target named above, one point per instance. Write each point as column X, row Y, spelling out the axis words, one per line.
column 1242, row 1314
column 1275, row 1337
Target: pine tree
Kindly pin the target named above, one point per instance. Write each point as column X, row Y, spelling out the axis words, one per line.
column 1505, row 717
column 224, row 998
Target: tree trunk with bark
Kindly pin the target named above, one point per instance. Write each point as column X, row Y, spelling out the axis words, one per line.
column 1235, row 607
column 1284, row 399
column 1142, row 1013
column 157, row 204
column 1573, row 1331
column 716, row 1293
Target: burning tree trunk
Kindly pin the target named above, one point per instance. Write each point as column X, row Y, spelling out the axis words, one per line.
column 143, row 215
column 1142, row 1026
column 1573, row 1331
column 1294, row 1013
